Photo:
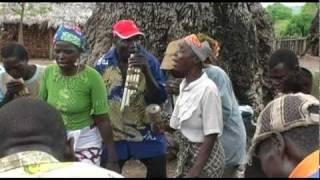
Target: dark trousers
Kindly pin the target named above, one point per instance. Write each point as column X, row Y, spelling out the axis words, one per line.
column 156, row 166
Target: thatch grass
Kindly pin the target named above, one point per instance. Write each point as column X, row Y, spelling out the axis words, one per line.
column 47, row 14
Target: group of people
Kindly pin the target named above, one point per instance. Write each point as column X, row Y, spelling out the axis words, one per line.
column 73, row 111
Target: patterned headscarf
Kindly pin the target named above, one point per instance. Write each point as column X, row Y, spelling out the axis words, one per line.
column 71, row 34
column 201, row 49
column 284, row 113
column 214, row 44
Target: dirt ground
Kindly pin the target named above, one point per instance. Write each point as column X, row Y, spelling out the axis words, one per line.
column 310, row 62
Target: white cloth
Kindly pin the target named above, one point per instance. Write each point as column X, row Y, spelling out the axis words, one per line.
column 86, row 138
column 37, row 74
column 198, row 110
column 33, row 84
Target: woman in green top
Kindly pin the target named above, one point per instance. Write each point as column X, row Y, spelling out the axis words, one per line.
column 78, row 92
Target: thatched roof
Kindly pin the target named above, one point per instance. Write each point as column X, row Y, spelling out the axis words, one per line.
column 47, row 14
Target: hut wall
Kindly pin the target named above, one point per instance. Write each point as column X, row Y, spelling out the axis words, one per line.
column 8, row 33
column 36, row 40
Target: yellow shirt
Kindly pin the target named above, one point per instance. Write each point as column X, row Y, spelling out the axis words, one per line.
column 41, row 164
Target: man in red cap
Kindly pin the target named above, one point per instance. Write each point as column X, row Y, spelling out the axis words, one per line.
column 134, row 138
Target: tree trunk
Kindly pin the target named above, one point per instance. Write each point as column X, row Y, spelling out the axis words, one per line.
column 243, row 29
column 313, row 37
column 51, row 34
column 20, row 35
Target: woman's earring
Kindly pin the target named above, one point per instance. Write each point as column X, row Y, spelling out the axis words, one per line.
column 77, row 63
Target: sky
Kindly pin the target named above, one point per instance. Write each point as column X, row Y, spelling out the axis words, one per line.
column 286, row 3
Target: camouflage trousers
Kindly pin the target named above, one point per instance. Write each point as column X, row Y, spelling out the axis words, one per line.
column 188, row 153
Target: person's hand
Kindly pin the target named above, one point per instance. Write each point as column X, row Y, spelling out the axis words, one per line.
column 139, row 60
column 69, row 154
column 158, row 127
column 113, row 166
column 172, row 86
column 14, row 87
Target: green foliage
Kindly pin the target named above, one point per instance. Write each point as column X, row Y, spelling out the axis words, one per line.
column 278, row 11
column 300, row 24
column 286, row 24
column 309, row 9
column 31, row 9
column 280, row 27
column 44, row 9
column 17, row 8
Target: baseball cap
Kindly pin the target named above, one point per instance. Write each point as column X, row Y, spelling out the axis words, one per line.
column 167, row 62
column 126, row 29
column 284, row 113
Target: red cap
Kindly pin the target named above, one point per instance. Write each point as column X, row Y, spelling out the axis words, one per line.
column 126, row 29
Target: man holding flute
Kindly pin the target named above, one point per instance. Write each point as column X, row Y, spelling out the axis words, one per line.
column 133, row 78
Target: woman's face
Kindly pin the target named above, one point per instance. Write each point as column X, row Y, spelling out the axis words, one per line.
column 183, row 59
column 66, row 55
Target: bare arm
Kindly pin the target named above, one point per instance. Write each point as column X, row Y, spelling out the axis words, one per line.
column 105, row 129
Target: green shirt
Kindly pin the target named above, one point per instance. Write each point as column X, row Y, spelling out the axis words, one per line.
column 76, row 97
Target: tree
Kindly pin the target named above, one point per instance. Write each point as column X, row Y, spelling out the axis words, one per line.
column 300, row 24
column 278, row 11
column 313, row 37
column 309, row 9
column 280, row 15
column 243, row 29
column 20, row 35
column 297, row 26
